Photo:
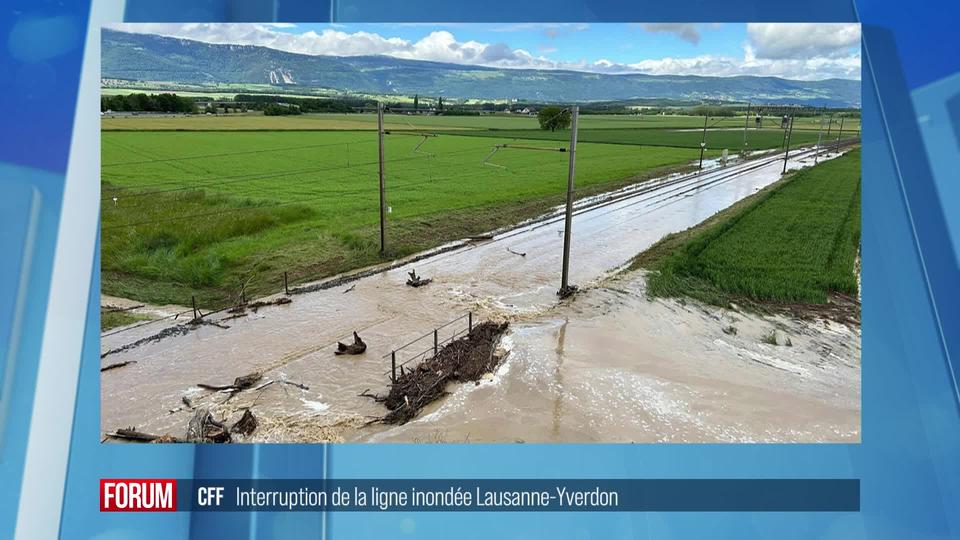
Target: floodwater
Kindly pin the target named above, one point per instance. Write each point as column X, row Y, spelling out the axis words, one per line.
column 610, row 366
column 615, row 366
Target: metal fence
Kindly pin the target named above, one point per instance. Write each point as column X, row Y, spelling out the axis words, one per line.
column 411, row 351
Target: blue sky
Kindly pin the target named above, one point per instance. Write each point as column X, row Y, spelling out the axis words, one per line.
column 622, row 43
column 795, row 50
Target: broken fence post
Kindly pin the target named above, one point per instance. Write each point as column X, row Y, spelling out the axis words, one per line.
column 393, row 366
column 435, row 342
column 286, row 289
column 193, row 300
column 469, row 321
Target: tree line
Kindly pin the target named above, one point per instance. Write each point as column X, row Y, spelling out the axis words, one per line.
column 148, row 103
column 304, row 105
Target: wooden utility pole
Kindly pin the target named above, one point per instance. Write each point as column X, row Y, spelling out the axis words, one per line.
column 383, row 189
column 786, row 154
column 703, row 140
column 565, row 288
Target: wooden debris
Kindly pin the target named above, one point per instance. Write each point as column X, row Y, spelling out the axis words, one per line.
column 131, row 434
column 240, row 383
column 117, row 365
column 246, row 424
column 204, row 428
column 263, row 303
column 417, row 281
column 357, row 347
column 466, row 359
column 520, row 253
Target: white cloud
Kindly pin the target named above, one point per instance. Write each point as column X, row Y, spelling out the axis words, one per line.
column 815, row 68
column 826, row 54
column 803, row 40
column 804, row 51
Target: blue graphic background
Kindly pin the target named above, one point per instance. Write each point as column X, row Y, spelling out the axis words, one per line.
column 910, row 476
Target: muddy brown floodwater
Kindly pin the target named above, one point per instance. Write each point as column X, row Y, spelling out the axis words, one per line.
column 609, row 366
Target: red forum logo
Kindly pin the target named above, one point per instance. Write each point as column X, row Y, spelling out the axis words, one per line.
column 138, row 495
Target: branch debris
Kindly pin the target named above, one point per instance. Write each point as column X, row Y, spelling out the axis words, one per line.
column 466, row 359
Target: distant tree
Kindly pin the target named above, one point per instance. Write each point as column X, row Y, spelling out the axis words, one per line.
column 440, row 104
column 278, row 109
column 554, row 118
column 416, row 102
column 712, row 110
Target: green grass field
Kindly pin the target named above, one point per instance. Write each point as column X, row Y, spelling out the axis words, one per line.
column 255, row 121
column 207, row 213
column 115, row 319
column 716, row 139
column 796, row 242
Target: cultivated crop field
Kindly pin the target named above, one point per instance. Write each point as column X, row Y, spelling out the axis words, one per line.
column 208, row 212
column 797, row 242
column 716, row 139
column 255, row 121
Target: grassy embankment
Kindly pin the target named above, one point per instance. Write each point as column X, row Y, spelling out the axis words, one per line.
column 115, row 319
column 794, row 242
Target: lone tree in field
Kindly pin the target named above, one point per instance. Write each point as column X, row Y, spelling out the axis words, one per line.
column 416, row 102
column 554, row 118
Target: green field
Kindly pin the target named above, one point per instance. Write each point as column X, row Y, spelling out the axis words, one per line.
column 207, row 204
column 255, row 121
column 717, row 139
column 796, row 242
column 207, row 212
column 115, row 319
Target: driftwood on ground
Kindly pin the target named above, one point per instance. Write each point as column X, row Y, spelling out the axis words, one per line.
column 357, row 347
column 246, row 425
column 202, row 428
column 416, row 281
column 117, row 365
column 240, row 383
column 254, row 306
column 131, row 434
column 466, row 359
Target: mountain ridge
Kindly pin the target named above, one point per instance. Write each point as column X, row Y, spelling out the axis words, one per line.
column 148, row 57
